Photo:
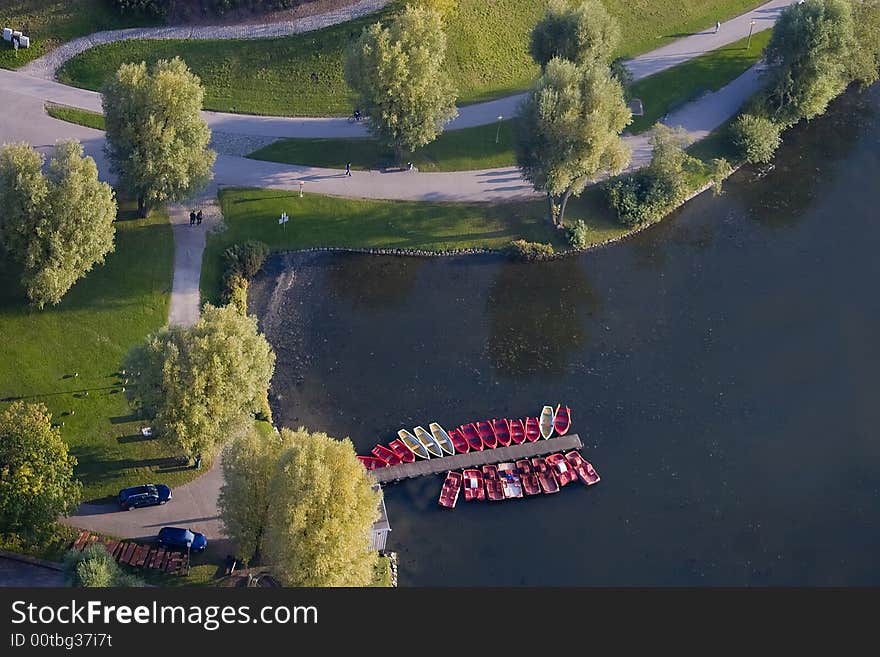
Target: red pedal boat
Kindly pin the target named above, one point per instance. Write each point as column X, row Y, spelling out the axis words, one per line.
column 472, row 436
column 372, row 462
column 533, row 429
column 561, row 468
column 401, row 451
column 517, row 432
column 386, row 455
column 494, row 490
column 449, row 492
column 502, row 431
column 545, row 475
column 487, row 434
column 472, row 485
column 583, row 467
column 458, row 441
column 530, row 483
column 562, row 420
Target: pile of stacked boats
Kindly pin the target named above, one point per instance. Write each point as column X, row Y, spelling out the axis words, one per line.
column 473, row 436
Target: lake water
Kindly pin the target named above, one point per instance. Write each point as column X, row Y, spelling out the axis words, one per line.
column 721, row 367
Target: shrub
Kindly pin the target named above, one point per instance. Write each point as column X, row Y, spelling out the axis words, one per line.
column 147, row 7
column 235, row 292
column 529, row 251
column 641, row 198
column 245, row 259
column 756, row 138
column 579, row 235
column 94, row 567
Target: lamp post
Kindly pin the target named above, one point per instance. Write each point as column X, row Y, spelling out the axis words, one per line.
column 751, row 27
column 498, row 131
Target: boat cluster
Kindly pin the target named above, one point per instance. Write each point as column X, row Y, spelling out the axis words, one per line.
column 508, row 480
column 473, row 436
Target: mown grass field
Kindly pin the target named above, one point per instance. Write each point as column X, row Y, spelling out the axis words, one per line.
column 487, row 55
column 87, row 334
column 50, row 23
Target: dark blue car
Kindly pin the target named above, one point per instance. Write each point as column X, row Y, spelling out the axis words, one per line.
column 178, row 537
column 147, row 495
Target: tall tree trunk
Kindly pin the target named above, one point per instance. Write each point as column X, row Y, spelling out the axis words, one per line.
column 142, row 207
column 551, row 208
column 561, row 215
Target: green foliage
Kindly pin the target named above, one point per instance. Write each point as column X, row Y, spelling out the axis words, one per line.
column 36, row 472
column 157, row 141
column 864, row 63
column 756, row 137
column 144, row 7
column 529, row 251
column 808, row 58
column 719, row 170
column 583, row 34
column 75, row 115
column 249, row 461
column 203, row 382
column 322, row 508
column 94, row 567
column 568, row 131
column 235, row 291
column 246, row 259
column 398, row 76
column 579, row 235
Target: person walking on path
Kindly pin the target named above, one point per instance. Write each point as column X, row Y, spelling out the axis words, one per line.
column 199, row 218
column 348, row 168
column 717, row 26
column 192, row 217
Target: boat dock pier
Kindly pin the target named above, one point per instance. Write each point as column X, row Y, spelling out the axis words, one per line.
column 510, row 454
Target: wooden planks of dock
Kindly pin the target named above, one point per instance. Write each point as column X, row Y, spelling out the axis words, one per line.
column 474, row 459
column 136, row 555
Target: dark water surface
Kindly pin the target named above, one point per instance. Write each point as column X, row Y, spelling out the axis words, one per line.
column 721, row 367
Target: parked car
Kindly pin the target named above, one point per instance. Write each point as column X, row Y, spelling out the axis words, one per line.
column 146, row 495
column 178, row 537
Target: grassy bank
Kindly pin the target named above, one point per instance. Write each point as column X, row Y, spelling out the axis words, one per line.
column 329, row 221
column 75, row 115
column 87, row 334
column 488, row 55
column 50, row 23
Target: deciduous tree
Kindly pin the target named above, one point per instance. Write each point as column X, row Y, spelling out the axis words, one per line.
column 583, row 34
column 201, row 383
column 865, row 60
column 568, row 131
column 398, row 75
column 157, row 142
column 36, row 471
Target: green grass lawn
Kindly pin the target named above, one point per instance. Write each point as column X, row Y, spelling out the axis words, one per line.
column 487, row 58
column 329, row 221
column 103, row 315
column 76, row 115
column 669, row 89
column 50, row 23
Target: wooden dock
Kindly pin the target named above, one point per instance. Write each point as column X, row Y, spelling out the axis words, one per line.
column 509, row 454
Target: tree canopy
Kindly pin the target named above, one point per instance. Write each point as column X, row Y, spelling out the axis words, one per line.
column 865, row 61
column 583, row 34
column 568, row 131
column 56, row 225
column 322, row 508
column 398, row 75
column 36, row 471
column 157, row 141
column 202, row 382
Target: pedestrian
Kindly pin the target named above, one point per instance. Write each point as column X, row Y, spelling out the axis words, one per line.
column 198, row 460
column 717, row 26
column 348, row 168
column 199, row 218
column 192, row 217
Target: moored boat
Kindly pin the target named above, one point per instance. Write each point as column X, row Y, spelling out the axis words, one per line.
column 487, row 434
column 502, row 431
column 472, row 484
column 458, row 441
column 470, row 433
column 413, row 443
column 585, row 470
column 561, row 468
column 546, row 422
column 404, row 453
column 428, row 441
column 442, row 438
column 449, row 492
column 562, row 420
column 517, row 432
column 533, row 429
column 511, row 485
column 547, row 479
column 491, row 482
column 372, row 462
column 530, row 483
column 386, row 455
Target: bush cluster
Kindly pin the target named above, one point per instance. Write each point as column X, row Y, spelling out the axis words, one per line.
column 529, row 251
column 241, row 262
column 756, row 138
column 145, row 7
column 579, row 234
column 217, row 7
